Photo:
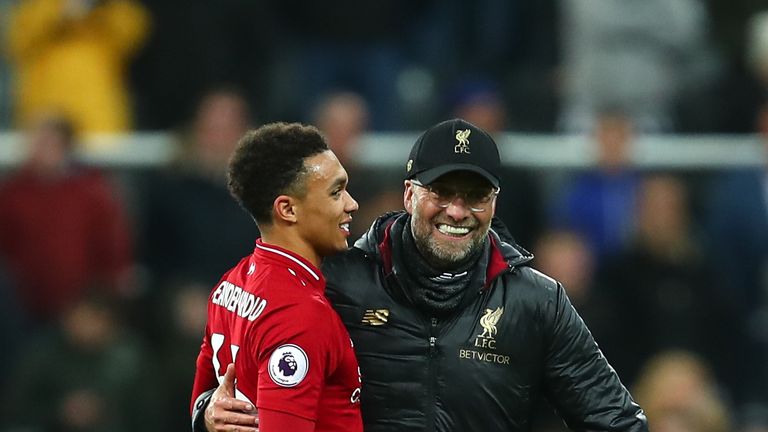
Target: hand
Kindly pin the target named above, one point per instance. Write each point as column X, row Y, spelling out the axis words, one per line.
column 227, row 414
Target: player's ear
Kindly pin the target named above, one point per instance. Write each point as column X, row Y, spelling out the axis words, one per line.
column 408, row 197
column 284, row 208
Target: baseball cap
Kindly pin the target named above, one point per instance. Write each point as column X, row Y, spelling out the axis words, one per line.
column 453, row 145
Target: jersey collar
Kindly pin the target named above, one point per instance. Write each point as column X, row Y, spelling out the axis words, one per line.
column 292, row 260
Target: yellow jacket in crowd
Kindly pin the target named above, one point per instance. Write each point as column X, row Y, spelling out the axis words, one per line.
column 71, row 57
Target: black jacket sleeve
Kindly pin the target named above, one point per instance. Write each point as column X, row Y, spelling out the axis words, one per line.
column 578, row 381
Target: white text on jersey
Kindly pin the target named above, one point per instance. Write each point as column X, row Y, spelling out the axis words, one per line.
column 234, row 299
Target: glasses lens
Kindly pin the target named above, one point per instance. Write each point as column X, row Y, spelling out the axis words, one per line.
column 478, row 197
column 443, row 195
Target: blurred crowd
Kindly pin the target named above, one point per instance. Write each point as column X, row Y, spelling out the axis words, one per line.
column 121, row 65
column 104, row 274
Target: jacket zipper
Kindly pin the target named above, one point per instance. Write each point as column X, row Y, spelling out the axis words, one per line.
column 432, row 375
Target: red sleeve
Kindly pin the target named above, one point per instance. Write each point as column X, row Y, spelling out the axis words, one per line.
column 205, row 376
column 279, row 421
column 298, row 355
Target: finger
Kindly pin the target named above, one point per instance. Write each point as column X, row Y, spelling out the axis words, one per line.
column 229, row 379
column 238, row 429
column 227, row 428
column 235, row 419
column 229, row 403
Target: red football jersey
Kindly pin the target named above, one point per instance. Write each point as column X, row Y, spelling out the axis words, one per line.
column 269, row 315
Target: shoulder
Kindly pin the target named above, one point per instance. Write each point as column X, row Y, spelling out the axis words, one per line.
column 238, row 273
column 529, row 278
column 350, row 258
column 301, row 318
column 349, row 267
column 282, row 283
column 531, row 287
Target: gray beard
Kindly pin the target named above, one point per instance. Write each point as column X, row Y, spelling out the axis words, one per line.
column 433, row 290
column 441, row 258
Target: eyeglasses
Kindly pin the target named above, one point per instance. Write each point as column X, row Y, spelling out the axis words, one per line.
column 476, row 200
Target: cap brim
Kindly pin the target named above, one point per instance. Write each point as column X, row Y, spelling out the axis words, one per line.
column 433, row 174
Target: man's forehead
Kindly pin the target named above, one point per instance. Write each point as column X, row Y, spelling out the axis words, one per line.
column 462, row 178
column 324, row 165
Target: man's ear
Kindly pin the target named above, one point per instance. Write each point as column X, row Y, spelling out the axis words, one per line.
column 408, row 197
column 284, row 208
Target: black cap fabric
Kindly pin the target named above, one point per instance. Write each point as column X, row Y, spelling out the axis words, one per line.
column 453, row 145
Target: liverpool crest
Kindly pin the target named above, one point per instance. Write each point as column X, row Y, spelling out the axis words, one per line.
column 462, row 136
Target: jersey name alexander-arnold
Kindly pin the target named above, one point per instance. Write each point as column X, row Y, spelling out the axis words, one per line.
column 235, row 299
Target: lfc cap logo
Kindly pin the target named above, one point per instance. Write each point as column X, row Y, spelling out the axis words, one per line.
column 462, row 136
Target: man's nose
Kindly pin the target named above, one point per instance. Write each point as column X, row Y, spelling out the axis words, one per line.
column 352, row 205
column 458, row 209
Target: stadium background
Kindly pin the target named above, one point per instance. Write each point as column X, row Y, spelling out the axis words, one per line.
column 651, row 112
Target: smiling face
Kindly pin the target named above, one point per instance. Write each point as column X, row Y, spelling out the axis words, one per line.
column 445, row 236
column 325, row 209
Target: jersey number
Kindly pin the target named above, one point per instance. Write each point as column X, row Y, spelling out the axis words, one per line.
column 217, row 341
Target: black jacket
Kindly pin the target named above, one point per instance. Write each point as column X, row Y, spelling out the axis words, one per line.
column 516, row 336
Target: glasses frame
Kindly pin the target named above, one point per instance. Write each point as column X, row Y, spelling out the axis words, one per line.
column 494, row 193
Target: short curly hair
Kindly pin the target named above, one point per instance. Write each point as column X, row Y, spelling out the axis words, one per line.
column 269, row 162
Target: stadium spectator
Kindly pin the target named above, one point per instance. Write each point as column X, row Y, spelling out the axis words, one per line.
column 86, row 375
column 12, row 323
column 737, row 224
column 566, row 256
column 599, row 204
column 62, row 226
column 198, row 45
column 183, row 309
column 364, row 50
column 664, row 284
column 636, row 57
column 681, row 395
column 343, row 118
column 192, row 230
column 72, row 56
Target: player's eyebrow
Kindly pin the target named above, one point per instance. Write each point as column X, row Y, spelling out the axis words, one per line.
column 339, row 181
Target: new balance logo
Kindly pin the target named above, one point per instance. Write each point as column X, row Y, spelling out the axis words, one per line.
column 375, row 317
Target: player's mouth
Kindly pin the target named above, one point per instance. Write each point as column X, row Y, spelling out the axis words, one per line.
column 344, row 227
column 454, row 231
